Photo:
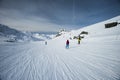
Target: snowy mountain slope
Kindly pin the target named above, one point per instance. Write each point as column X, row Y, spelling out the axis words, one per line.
column 96, row 58
column 44, row 36
column 10, row 33
column 13, row 35
column 98, row 31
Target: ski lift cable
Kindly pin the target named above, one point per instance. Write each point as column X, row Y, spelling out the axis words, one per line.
column 73, row 10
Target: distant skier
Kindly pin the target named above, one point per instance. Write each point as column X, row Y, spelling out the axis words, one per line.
column 79, row 38
column 45, row 42
column 67, row 44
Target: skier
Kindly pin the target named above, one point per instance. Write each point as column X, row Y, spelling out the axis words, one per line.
column 67, row 44
column 79, row 38
column 45, row 42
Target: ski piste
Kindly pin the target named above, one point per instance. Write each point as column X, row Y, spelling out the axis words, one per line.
column 96, row 58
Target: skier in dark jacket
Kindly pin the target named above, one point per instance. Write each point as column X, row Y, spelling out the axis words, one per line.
column 45, row 42
column 67, row 44
column 79, row 38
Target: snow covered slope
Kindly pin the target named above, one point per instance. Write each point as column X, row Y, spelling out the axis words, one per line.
column 98, row 29
column 10, row 33
column 96, row 58
column 13, row 35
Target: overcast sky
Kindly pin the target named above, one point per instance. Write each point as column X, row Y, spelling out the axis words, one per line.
column 52, row 15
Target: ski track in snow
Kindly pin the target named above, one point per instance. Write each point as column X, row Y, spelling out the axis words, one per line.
column 36, row 61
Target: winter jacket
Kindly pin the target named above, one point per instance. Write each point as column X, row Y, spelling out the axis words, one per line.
column 67, row 42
